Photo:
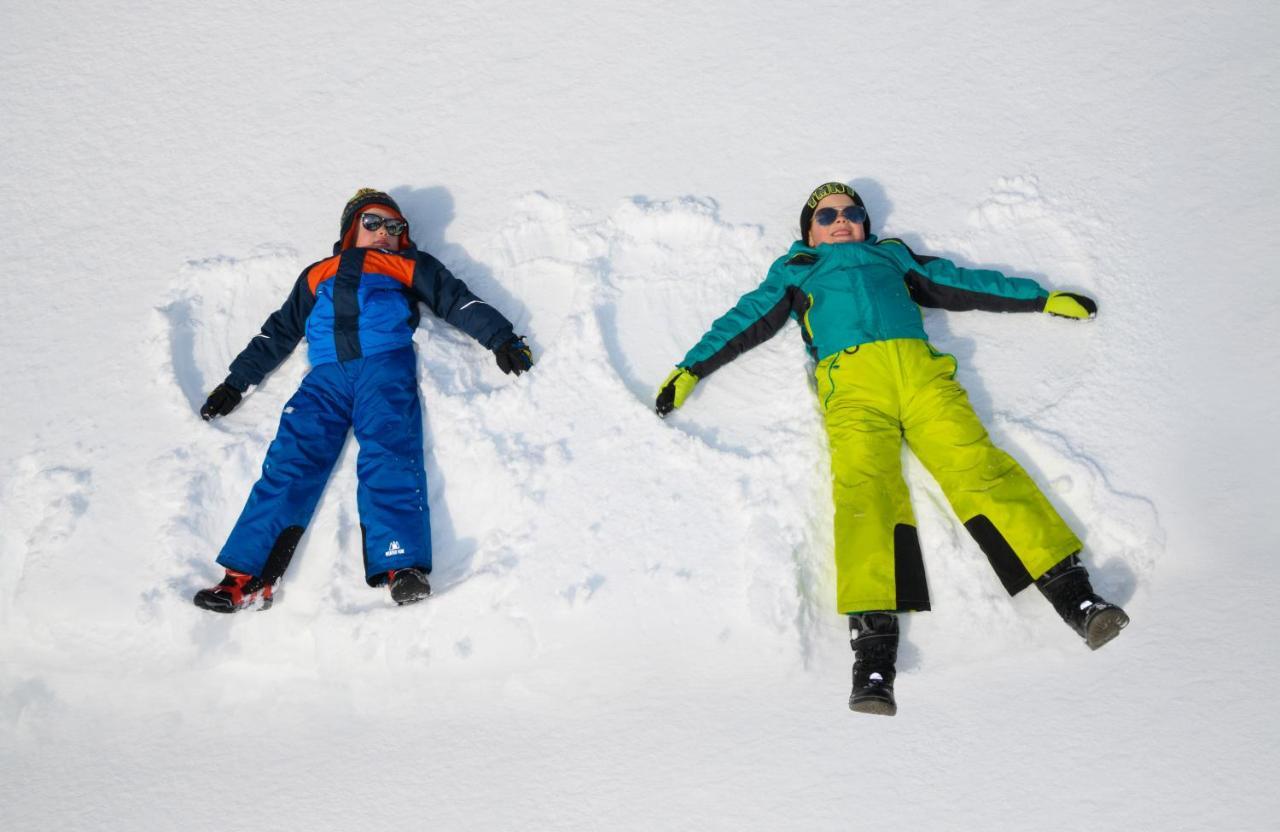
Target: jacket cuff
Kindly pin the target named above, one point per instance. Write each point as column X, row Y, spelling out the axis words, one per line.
column 500, row 337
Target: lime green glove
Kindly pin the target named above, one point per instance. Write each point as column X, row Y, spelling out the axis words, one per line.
column 1070, row 305
column 675, row 390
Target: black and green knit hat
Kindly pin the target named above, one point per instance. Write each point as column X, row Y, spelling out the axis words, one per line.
column 821, row 192
column 363, row 199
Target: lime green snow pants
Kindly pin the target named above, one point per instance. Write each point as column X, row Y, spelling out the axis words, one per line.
column 875, row 395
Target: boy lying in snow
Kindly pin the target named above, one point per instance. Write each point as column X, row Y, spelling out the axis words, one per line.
column 879, row 381
column 358, row 310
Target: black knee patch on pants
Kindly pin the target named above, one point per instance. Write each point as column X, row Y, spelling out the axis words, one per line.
column 281, row 554
column 908, row 569
column 1004, row 560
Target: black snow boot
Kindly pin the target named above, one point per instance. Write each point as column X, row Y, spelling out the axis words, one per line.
column 236, row 591
column 408, row 585
column 1067, row 587
column 874, row 637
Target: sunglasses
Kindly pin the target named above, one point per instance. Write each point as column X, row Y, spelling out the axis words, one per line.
column 855, row 214
column 372, row 222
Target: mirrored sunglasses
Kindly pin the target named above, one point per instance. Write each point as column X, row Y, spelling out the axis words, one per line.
column 372, row 222
column 855, row 214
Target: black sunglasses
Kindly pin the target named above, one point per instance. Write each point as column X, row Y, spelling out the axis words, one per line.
column 372, row 222
column 855, row 214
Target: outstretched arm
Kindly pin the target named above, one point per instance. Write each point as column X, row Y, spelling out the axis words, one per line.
column 275, row 341
column 449, row 298
column 280, row 333
column 754, row 319
column 937, row 282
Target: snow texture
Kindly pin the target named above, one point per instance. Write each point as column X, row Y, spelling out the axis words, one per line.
column 633, row 624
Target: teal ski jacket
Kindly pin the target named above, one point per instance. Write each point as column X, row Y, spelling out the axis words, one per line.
column 847, row 294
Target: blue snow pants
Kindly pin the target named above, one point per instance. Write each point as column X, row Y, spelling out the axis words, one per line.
column 378, row 396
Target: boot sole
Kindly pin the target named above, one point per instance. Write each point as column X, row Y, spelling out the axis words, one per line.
column 410, row 594
column 1105, row 626
column 208, row 601
column 213, row 602
column 873, row 705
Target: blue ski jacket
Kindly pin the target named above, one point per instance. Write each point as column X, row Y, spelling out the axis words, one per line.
column 361, row 302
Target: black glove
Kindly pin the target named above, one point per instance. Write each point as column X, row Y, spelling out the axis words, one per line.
column 221, row 401
column 514, row 356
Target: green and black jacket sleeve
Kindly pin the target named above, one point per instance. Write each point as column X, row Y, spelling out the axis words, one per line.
column 937, row 282
column 754, row 319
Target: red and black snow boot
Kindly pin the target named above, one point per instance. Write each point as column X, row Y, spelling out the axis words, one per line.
column 874, row 637
column 236, row 591
column 408, row 585
column 1067, row 587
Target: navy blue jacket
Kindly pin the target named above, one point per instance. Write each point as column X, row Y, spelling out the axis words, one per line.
column 361, row 302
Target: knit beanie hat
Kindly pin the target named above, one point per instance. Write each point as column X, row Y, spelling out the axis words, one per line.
column 820, row 193
column 363, row 199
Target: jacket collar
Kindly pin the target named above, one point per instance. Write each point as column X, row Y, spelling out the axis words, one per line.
column 802, row 255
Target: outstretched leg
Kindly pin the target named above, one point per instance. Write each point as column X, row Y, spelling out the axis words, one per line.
column 392, row 491
column 312, row 431
column 878, row 561
column 998, row 502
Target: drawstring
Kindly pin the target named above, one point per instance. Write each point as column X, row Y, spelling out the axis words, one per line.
column 835, row 363
column 831, row 381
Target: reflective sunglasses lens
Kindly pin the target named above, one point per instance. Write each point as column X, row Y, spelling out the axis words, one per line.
column 372, row 222
column 853, row 213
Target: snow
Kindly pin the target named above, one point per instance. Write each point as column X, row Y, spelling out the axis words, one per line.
column 634, row 623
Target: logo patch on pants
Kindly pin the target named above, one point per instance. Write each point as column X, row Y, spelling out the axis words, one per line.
column 394, row 549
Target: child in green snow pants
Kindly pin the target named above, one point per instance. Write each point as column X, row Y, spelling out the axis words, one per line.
column 874, row 396
column 857, row 299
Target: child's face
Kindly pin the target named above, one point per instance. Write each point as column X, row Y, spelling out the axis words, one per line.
column 840, row 231
column 379, row 238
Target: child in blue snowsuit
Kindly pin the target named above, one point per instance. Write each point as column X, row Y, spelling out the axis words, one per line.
column 358, row 310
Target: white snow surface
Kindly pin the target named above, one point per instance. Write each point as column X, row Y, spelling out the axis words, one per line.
column 634, row 623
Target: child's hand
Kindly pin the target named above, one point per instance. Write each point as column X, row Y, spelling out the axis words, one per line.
column 1070, row 305
column 514, row 356
column 221, row 401
column 674, row 390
